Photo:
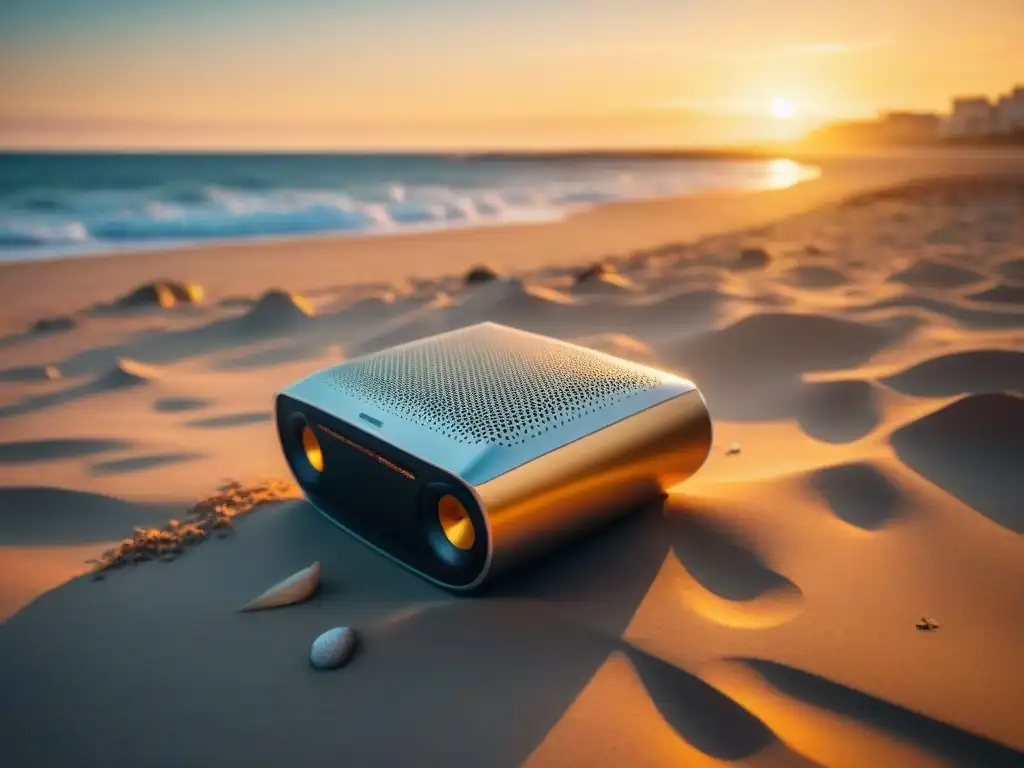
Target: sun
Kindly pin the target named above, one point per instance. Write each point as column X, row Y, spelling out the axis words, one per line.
column 782, row 109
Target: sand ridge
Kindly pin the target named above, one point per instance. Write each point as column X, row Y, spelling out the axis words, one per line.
column 863, row 356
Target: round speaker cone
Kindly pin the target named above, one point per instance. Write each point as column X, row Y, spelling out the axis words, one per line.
column 311, row 446
column 455, row 522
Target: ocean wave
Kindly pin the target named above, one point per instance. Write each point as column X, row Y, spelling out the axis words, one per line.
column 36, row 219
column 227, row 214
column 26, row 234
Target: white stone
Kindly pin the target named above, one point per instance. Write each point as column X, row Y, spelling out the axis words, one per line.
column 333, row 648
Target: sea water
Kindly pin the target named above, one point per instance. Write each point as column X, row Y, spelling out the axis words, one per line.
column 68, row 204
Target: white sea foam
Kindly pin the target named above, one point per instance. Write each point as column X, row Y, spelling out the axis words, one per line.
column 15, row 233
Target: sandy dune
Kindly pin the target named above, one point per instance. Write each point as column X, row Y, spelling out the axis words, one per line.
column 867, row 357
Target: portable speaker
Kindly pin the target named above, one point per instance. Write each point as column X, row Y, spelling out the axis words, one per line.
column 465, row 454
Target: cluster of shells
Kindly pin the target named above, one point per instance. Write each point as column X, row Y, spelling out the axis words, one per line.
column 214, row 514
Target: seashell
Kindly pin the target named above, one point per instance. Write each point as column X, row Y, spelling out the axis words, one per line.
column 294, row 589
column 333, row 648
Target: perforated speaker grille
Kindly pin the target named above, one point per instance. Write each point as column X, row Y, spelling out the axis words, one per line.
column 490, row 384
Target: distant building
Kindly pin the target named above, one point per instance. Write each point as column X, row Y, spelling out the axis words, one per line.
column 977, row 117
column 1009, row 112
column 971, row 116
column 889, row 129
column 913, row 127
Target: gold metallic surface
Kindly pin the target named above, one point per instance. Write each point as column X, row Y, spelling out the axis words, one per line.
column 311, row 446
column 581, row 485
column 455, row 522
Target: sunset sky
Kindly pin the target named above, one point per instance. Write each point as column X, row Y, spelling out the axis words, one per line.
column 482, row 73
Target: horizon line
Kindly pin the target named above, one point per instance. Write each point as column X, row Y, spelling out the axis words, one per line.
column 654, row 150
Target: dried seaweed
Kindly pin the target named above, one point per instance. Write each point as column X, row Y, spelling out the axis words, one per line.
column 213, row 514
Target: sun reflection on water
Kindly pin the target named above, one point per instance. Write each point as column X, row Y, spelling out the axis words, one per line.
column 782, row 173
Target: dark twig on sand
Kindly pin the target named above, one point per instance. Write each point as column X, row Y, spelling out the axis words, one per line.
column 215, row 513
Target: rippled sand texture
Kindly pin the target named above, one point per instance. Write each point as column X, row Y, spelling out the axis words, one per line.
column 866, row 358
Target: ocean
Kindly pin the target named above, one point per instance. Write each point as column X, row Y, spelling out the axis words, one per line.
column 72, row 204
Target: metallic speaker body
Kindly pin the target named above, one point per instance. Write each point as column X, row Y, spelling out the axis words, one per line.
column 465, row 454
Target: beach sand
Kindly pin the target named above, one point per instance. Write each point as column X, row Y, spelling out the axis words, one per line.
column 859, row 341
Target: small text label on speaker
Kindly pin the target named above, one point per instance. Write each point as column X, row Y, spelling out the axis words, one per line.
column 376, row 422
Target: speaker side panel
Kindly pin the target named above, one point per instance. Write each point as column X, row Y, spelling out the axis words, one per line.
column 404, row 507
column 586, row 483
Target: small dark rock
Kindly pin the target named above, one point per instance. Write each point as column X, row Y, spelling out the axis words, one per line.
column 594, row 271
column 277, row 310
column 161, row 293
column 480, row 274
column 753, row 258
column 57, row 324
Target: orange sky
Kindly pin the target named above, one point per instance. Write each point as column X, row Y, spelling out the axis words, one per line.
column 412, row 73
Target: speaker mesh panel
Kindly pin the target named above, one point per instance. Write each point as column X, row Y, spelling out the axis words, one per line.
column 489, row 384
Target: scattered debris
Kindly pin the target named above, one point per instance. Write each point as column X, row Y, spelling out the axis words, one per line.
column 216, row 513
column 927, row 625
column 733, row 449
column 333, row 648
column 296, row 588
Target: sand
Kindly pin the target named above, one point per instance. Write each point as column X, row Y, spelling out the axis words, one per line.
column 860, row 342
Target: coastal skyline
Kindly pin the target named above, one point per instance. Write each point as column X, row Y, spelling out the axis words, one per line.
column 400, row 74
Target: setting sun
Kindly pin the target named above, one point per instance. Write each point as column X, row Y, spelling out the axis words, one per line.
column 782, row 109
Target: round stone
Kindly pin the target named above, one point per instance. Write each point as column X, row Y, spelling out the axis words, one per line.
column 333, row 648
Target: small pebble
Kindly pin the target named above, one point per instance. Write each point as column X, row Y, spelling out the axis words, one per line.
column 927, row 625
column 753, row 258
column 333, row 648
column 733, row 449
column 54, row 324
column 480, row 274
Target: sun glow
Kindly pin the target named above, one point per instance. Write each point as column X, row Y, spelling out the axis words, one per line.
column 782, row 109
